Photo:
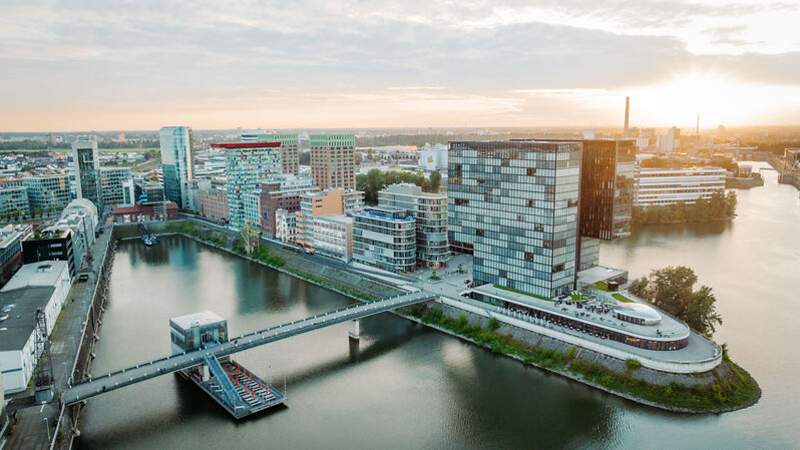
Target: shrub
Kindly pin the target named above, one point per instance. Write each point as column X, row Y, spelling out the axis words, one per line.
column 494, row 324
column 633, row 364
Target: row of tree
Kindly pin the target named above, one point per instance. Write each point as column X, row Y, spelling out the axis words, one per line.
column 375, row 180
column 672, row 289
column 719, row 207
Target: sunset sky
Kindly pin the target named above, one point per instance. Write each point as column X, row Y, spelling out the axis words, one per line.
column 108, row 65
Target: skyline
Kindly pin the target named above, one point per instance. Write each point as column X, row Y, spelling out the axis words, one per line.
column 217, row 65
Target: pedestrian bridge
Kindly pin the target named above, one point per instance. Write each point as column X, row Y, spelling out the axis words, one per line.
column 169, row 364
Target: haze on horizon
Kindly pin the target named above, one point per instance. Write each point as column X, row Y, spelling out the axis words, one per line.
column 110, row 65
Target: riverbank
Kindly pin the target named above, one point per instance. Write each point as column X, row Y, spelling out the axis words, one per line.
column 727, row 388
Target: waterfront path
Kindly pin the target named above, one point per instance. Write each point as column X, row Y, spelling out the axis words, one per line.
column 147, row 370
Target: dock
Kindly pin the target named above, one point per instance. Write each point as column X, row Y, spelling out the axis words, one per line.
column 238, row 390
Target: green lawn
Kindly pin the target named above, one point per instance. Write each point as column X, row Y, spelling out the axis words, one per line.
column 601, row 285
column 621, row 298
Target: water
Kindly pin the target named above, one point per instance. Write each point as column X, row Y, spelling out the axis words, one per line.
column 405, row 386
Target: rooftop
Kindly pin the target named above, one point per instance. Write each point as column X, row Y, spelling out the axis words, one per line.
column 197, row 319
column 393, row 214
column 39, row 274
column 667, row 329
column 17, row 315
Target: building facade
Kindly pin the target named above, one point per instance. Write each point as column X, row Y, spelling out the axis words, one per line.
column 608, row 185
column 111, row 184
column 282, row 192
column 13, row 200
column 50, row 245
column 10, row 252
column 333, row 236
column 213, row 204
column 333, row 161
column 430, row 212
column 385, row 238
column 514, row 205
column 660, row 187
column 433, row 157
column 290, row 150
column 86, row 167
column 176, row 163
column 246, row 164
column 47, row 193
column 314, row 204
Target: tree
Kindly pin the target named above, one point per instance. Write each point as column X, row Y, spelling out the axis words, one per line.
column 672, row 289
column 435, row 181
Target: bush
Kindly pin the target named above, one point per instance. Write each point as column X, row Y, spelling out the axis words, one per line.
column 633, row 364
column 494, row 324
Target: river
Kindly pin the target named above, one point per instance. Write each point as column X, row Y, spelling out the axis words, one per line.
column 404, row 386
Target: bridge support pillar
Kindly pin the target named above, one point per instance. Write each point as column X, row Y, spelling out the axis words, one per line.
column 355, row 329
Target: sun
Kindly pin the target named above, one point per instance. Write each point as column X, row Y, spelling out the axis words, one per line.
column 718, row 99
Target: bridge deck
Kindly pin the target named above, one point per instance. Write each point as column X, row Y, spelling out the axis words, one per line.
column 169, row 364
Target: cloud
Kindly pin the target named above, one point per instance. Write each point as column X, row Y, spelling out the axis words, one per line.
column 500, row 54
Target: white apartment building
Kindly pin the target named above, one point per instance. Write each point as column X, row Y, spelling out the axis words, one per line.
column 433, row 157
column 658, row 187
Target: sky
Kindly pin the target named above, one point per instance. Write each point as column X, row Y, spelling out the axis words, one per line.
column 142, row 64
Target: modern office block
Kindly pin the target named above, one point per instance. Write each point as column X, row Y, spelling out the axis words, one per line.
column 111, row 184
column 176, row 163
column 314, row 204
column 213, row 204
column 47, row 194
column 607, row 188
column 246, row 164
column 333, row 161
column 514, row 205
column 86, row 167
column 50, row 245
column 430, row 211
column 659, row 187
column 385, row 238
column 13, row 200
column 290, row 150
column 333, row 236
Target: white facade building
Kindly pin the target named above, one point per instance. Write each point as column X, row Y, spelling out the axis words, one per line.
column 668, row 142
column 43, row 285
column 333, row 236
column 433, row 157
column 658, row 187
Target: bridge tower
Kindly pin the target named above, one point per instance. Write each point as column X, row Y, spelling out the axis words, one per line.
column 43, row 376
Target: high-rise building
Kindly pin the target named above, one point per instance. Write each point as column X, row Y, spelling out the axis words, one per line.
column 246, row 164
column 86, row 166
column 430, row 211
column 111, row 184
column 607, row 188
column 385, row 238
column 48, row 194
column 670, row 141
column 333, row 161
column 514, row 205
column 176, row 163
column 290, row 150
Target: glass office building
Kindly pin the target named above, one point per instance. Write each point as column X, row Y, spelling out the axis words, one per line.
column 86, row 164
column 111, row 184
column 514, row 206
column 430, row 210
column 385, row 238
column 48, row 194
column 176, row 163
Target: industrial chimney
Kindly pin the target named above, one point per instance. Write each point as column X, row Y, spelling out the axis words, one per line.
column 627, row 114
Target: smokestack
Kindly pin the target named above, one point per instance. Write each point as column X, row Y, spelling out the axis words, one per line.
column 697, row 126
column 627, row 113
